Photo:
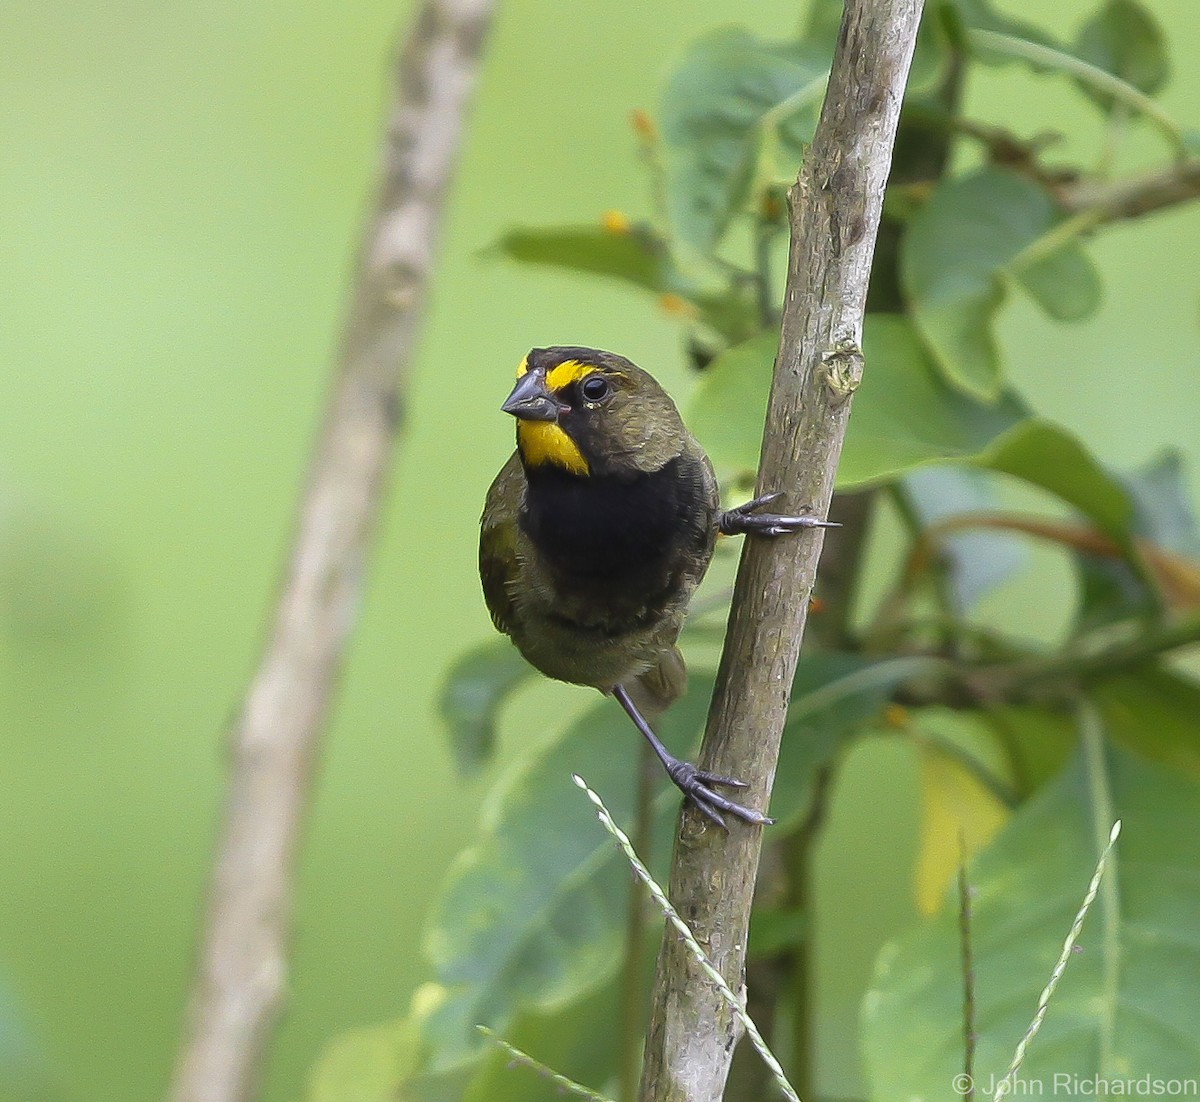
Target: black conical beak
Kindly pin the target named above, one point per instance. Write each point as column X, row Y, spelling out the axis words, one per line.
column 530, row 400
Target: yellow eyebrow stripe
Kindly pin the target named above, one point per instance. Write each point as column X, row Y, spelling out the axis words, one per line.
column 568, row 372
column 560, row 377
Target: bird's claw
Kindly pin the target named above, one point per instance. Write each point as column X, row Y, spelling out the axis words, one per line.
column 696, row 784
column 746, row 519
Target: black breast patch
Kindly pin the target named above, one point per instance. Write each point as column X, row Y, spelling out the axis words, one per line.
column 617, row 531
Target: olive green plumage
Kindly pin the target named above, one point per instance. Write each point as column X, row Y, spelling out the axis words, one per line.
column 611, row 612
column 596, row 533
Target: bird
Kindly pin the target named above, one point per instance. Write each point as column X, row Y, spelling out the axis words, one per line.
column 596, row 533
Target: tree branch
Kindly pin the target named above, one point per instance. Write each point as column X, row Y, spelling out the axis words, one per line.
column 1136, row 196
column 242, row 970
column 836, row 205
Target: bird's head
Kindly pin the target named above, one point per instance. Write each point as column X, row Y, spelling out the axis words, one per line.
column 592, row 413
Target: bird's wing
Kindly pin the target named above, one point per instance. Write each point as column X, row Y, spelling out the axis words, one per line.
column 499, row 534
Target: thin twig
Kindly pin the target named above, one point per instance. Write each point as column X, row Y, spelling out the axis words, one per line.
column 689, row 939
column 520, row 1058
column 970, row 1035
column 1006, row 1085
column 1093, row 76
column 1091, row 730
column 835, row 211
column 1136, row 196
column 633, row 975
column 242, row 968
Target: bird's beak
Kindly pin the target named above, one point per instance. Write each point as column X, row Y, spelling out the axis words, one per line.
column 530, row 400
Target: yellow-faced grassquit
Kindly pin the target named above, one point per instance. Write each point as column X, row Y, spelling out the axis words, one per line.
column 596, row 533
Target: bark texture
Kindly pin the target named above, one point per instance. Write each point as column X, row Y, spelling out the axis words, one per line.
column 243, row 962
column 835, row 212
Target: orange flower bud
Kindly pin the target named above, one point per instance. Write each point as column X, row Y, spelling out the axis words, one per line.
column 643, row 125
column 677, row 305
column 895, row 715
column 615, row 221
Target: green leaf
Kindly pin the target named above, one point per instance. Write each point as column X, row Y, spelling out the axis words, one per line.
column 26, row 1075
column 638, row 256
column 773, row 930
column 904, row 415
column 578, row 1041
column 1045, row 455
column 1156, row 712
column 730, row 403
column 1162, row 503
column 1065, row 284
column 1036, row 742
column 955, row 256
column 712, row 114
column 367, row 1065
column 834, row 696
column 531, row 917
column 976, row 562
column 1027, row 887
column 475, row 689
column 959, row 815
column 1162, row 513
column 1123, row 38
column 980, row 15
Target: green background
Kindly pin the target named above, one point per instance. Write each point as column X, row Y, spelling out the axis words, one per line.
column 180, row 197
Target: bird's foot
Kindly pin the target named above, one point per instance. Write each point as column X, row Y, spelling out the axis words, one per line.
column 696, row 785
column 747, row 519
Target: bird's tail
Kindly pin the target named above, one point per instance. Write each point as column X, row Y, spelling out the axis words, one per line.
column 660, row 686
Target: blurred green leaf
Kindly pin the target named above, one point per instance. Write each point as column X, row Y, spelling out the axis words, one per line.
column 960, row 814
column 981, row 15
column 1046, row 455
column 1036, row 741
column 712, row 113
column 531, row 917
column 636, row 256
column 732, row 313
column 774, row 929
column 1123, row 38
column 1110, row 589
column 367, row 1065
column 834, row 696
column 475, row 689
column 904, row 415
column 1162, row 504
column 822, row 21
column 975, row 562
column 1156, row 712
column 955, row 255
column 579, row 1041
column 25, row 1074
column 730, row 403
column 1065, row 284
column 1027, row 887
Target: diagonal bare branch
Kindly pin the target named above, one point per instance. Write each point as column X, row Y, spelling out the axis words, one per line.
column 836, row 204
column 242, row 969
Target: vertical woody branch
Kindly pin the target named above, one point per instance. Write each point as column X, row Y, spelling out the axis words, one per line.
column 835, row 211
column 242, row 967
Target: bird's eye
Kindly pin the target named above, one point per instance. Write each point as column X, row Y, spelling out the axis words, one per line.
column 594, row 387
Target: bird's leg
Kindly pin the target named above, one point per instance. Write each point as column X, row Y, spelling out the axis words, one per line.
column 692, row 782
column 747, row 519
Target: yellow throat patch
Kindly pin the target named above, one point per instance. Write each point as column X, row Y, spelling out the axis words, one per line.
column 544, row 443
